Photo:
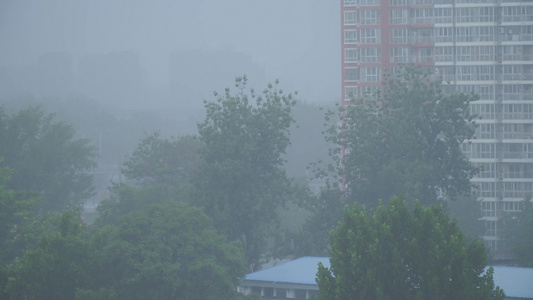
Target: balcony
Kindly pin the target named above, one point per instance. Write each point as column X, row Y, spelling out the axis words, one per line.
column 517, row 19
column 422, row 40
column 517, row 37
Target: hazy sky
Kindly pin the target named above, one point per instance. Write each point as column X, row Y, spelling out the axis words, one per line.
column 297, row 41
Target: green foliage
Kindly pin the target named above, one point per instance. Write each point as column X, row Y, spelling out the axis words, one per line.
column 46, row 158
column 171, row 162
column 312, row 239
column 405, row 141
column 394, row 253
column 171, row 251
column 164, row 251
column 58, row 264
column 517, row 231
column 17, row 209
column 101, row 294
column 242, row 181
column 466, row 211
column 126, row 199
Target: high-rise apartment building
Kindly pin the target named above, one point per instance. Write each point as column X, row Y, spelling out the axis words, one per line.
column 481, row 46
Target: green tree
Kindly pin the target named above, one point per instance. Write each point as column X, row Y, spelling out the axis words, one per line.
column 242, row 181
column 171, row 162
column 17, row 208
column 312, row 239
column 126, row 199
column 171, row 251
column 46, row 157
column 395, row 253
column 405, row 140
column 59, row 263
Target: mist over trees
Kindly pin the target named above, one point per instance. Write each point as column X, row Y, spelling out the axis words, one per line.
column 197, row 211
column 46, row 157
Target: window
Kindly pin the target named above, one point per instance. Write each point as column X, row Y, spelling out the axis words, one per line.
column 514, row 151
column 350, row 18
column 512, row 13
column 486, row 14
column 487, row 170
column 423, row 16
column 490, row 227
column 399, row 35
column 484, row 151
column 372, row 54
column 350, row 56
column 424, row 55
column 399, row 16
column 443, row 15
column 349, row 2
column 446, row 73
column 350, row 92
column 517, row 111
column 465, row 53
column 512, row 53
column 513, row 206
column 485, row 131
column 443, row 54
column 485, row 92
column 398, row 2
column 399, row 54
column 370, row 74
column 513, row 189
column 512, row 72
column 370, row 16
column 350, row 36
column 370, row 91
column 423, row 36
column 351, row 74
column 370, row 36
column 485, row 53
column 369, row 2
column 512, row 92
column 444, row 34
column 464, row 15
column 487, row 190
column 465, row 34
column 485, row 33
column 485, row 111
column 484, row 73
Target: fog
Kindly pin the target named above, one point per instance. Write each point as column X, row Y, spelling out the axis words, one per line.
column 139, row 53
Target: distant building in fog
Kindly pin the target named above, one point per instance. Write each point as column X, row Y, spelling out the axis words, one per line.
column 481, row 46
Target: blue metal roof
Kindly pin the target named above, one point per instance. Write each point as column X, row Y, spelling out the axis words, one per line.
column 302, row 271
column 516, row 282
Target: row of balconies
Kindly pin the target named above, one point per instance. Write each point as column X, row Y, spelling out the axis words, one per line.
column 515, row 175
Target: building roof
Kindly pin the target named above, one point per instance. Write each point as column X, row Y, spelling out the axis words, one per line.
column 516, row 282
column 300, row 271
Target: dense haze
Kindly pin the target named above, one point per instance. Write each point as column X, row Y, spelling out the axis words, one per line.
column 170, row 52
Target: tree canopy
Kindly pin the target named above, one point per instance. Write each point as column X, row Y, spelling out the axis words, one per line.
column 242, row 181
column 394, row 253
column 171, row 251
column 46, row 157
column 157, row 160
column 163, row 251
column 405, row 140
